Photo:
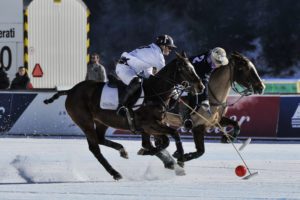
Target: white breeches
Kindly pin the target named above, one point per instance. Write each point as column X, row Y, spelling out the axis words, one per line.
column 125, row 73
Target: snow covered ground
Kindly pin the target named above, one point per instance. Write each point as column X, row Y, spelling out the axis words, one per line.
column 64, row 169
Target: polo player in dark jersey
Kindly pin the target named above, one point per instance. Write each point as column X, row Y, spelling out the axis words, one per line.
column 204, row 65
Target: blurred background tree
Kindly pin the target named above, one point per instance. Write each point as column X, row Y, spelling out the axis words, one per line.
column 267, row 31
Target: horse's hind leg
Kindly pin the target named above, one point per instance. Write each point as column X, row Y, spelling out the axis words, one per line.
column 100, row 129
column 94, row 148
column 86, row 124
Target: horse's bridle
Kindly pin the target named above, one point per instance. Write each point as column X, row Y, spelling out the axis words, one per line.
column 246, row 92
column 170, row 81
column 233, row 84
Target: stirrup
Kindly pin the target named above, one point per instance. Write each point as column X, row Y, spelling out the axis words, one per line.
column 122, row 111
column 188, row 124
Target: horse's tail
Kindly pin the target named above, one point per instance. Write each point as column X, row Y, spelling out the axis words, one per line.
column 56, row 96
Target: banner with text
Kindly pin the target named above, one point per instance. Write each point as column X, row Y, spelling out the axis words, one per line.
column 257, row 115
column 289, row 117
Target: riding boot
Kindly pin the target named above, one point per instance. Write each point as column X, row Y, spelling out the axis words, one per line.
column 131, row 89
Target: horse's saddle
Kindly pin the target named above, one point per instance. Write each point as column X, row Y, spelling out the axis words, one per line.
column 114, row 90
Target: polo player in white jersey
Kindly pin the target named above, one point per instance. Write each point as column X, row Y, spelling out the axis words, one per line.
column 141, row 62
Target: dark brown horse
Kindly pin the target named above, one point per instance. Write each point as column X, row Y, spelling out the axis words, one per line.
column 240, row 70
column 82, row 104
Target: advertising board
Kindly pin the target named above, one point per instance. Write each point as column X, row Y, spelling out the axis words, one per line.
column 257, row 116
column 11, row 36
column 289, row 117
column 24, row 113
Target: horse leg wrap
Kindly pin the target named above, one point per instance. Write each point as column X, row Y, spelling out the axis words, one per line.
column 192, row 155
column 144, row 152
column 166, row 158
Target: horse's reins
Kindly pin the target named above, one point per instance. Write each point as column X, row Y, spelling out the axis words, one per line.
column 245, row 92
column 185, row 86
column 228, row 136
column 171, row 82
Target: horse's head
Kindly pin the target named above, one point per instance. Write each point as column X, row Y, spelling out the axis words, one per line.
column 185, row 73
column 245, row 74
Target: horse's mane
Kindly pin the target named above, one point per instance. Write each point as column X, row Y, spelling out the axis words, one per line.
column 166, row 67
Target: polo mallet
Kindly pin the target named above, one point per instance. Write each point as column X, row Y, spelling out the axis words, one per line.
column 222, row 128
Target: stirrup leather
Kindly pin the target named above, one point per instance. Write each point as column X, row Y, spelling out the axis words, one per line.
column 130, row 120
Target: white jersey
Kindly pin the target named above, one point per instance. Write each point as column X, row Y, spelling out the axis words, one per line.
column 143, row 59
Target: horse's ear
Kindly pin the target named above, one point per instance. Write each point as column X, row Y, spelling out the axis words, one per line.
column 183, row 54
column 178, row 54
column 236, row 53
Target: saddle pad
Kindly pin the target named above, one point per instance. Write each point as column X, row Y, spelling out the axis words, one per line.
column 110, row 98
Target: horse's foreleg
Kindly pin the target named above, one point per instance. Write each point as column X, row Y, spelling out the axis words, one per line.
column 161, row 143
column 225, row 121
column 148, row 148
column 174, row 134
column 179, row 148
column 198, row 135
column 100, row 129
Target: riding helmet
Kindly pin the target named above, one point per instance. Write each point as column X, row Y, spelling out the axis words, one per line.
column 219, row 56
column 165, row 40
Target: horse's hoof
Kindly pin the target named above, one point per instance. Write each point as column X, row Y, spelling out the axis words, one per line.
column 141, row 152
column 224, row 139
column 180, row 163
column 169, row 165
column 123, row 153
column 176, row 154
column 117, row 176
column 144, row 152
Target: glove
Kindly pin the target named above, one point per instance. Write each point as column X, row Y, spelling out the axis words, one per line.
column 150, row 71
column 154, row 70
column 142, row 74
column 175, row 94
column 205, row 106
